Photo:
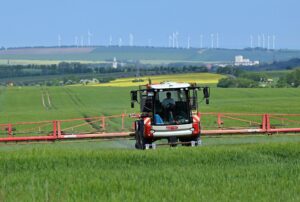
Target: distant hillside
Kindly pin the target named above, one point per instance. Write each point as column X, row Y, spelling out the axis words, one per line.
column 145, row 54
column 276, row 65
column 45, row 51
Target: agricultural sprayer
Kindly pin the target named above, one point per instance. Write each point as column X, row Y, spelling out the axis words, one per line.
column 167, row 111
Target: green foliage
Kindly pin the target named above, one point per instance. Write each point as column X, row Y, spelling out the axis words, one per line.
column 236, row 83
column 282, row 82
column 262, row 172
column 289, row 64
column 245, row 79
column 137, row 80
column 106, row 79
column 72, row 72
column 292, row 79
column 230, row 71
column 226, row 83
column 255, row 76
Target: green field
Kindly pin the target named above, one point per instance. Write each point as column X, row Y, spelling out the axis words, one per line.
column 85, row 172
column 252, row 168
column 25, row 103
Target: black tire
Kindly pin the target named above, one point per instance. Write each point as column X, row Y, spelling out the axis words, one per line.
column 189, row 141
column 172, row 141
column 139, row 135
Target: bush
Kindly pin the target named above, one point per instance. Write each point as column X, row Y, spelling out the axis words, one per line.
column 255, row 76
column 292, row 79
column 237, row 83
column 230, row 70
column 226, row 83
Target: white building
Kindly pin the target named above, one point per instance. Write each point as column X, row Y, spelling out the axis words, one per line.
column 115, row 63
column 241, row 61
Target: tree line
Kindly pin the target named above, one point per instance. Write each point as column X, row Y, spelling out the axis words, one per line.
column 239, row 78
column 74, row 72
column 292, row 79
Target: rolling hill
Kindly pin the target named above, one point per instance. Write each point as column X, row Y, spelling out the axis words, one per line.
column 147, row 55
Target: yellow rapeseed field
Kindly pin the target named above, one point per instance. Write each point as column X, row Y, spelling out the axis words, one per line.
column 201, row 78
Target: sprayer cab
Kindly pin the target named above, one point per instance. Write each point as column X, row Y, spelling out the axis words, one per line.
column 167, row 110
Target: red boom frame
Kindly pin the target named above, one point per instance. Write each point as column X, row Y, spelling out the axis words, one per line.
column 211, row 124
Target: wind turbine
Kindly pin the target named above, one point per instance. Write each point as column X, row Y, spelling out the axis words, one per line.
column 110, row 40
column 268, row 42
column 59, row 40
column 251, row 41
column 76, row 41
column 130, row 39
column 81, row 41
column 120, row 42
column 217, row 42
column 258, row 40
column 212, row 40
column 170, row 41
column 274, row 38
column 177, row 43
column 173, row 39
column 89, row 37
column 263, row 40
column 201, row 41
column 149, row 42
column 188, row 42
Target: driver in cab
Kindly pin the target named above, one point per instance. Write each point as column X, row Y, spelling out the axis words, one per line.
column 168, row 102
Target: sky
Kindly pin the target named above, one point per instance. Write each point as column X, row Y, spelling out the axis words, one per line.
column 152, row 22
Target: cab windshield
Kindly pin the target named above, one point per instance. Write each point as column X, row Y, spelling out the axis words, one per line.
column 171, row 107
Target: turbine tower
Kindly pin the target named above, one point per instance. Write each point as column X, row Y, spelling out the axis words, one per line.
column 217, row 42
column 263, row 41
column 177, row 43
column 130, row 39
column 201, row 41
column 273, row 38
column 149, row 42
column 76, row 41
column 81, row 41
column 251, row 41
column 173, row 39
column 59, row 40
column 212, row 40
column 170, row 41
column 258, row 40
column 89, row 37
column 268, row 42
column 120, row 42
column 188, row 42
column 110, row 40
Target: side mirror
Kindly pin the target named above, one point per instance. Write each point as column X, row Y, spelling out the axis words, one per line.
column 206, row 94
column 134, row 98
